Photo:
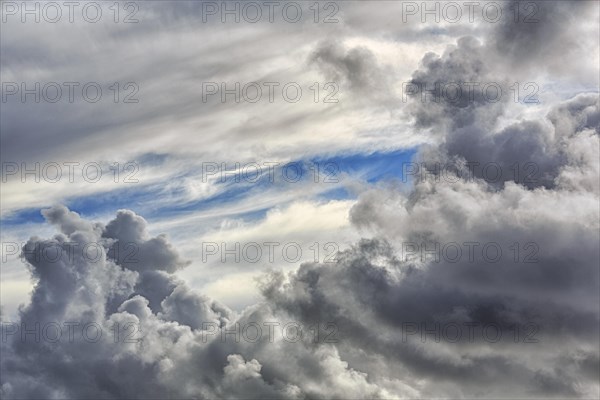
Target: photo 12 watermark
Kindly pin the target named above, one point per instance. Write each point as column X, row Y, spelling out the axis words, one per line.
column 268, row 92
column 469, row 252
column 70, row 332
column 69, row 92
column 253, row 332
column 455, row 12
column 70, row 171
column 464, row 93
column 252, row 12
column 527, row 172
column 469, row 332
column 269, row 172
column 51, row 251
column 269, row 252
column 54, row 12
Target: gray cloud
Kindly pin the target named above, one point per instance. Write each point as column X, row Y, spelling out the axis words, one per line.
column 372, row 291
column 180, row 352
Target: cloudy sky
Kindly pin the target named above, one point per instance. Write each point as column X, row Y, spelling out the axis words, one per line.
column 307, row 200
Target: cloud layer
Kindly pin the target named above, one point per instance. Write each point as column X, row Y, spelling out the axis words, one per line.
column 477, row 276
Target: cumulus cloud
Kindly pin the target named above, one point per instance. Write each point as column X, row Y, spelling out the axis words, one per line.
column 179, row 338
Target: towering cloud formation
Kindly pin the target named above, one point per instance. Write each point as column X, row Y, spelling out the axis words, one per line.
column 174, row 342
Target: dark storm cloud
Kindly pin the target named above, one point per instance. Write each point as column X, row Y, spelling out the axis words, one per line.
column 538, row 33
column 466, row 120
column 359, row 295
column 532, row 145
column 557, row 211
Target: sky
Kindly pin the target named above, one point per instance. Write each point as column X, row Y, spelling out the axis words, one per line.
column 307, row 200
